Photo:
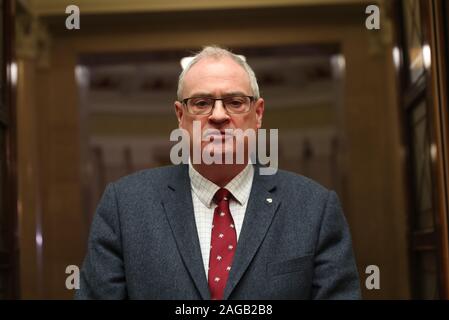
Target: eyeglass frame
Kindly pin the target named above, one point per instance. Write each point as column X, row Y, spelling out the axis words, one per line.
column 251, row 100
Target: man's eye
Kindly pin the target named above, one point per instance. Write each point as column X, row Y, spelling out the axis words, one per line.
column 236, row 102
column 201, row 103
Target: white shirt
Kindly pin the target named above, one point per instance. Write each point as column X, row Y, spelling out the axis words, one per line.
column 203, row 191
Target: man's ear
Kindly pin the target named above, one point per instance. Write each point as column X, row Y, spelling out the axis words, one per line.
column 179, row 112
column 260, row 108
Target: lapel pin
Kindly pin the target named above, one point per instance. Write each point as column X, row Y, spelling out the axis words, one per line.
column 269, row 200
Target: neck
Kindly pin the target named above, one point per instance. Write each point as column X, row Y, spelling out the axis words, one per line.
column 220, row 174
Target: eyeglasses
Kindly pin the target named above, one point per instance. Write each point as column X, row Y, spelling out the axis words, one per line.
column 205, row 105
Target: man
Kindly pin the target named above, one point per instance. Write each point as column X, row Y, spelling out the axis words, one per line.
column 218, row 231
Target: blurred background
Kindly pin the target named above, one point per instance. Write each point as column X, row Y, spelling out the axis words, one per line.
column 363, row 112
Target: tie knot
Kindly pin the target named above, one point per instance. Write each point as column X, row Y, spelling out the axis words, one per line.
column 222, row 194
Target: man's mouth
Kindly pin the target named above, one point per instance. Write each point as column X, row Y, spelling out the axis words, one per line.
column 214, row 134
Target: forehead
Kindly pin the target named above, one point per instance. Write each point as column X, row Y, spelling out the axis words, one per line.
column 211, row 75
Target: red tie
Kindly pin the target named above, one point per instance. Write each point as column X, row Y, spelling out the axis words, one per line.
column 222, row 245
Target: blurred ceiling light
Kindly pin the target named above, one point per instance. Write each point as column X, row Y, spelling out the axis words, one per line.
column 39, row 239
column 186, row 60
column 433, row 152
column 396, row 57
column 82, row 75
column 427, row 56
column 13, row 72
column 338, row 63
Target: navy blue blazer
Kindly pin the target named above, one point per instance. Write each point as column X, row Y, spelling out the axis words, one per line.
column 143, row 242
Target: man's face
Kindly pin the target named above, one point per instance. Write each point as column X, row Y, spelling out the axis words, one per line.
column 218, row 78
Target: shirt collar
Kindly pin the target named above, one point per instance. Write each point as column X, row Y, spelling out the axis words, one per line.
column 239, row 186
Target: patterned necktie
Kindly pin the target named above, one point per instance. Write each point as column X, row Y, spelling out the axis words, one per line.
column 222, row 245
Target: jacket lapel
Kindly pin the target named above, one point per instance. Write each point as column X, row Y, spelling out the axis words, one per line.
column 177, row 201
column 260, row 211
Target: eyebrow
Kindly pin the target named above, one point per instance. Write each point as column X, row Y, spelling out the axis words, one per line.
column 227, row 94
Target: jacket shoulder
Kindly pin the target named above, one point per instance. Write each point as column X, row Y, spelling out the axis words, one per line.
column 147, row 178
column 298, row 183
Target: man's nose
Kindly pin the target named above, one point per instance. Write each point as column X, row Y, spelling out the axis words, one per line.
column 219, row 113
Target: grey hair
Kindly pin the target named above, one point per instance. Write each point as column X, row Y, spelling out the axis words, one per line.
column 218, row 53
